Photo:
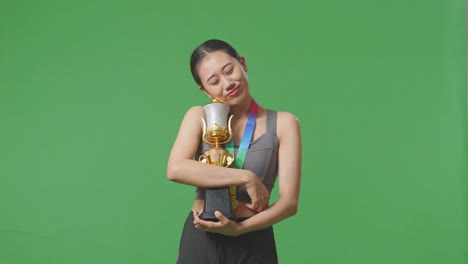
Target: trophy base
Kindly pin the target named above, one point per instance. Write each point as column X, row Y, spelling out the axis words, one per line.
column 217, row 199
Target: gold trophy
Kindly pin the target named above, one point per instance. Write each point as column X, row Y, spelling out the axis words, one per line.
column 216, row 132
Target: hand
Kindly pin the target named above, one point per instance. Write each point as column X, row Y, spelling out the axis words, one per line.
column 259, row 194
column 224, row 226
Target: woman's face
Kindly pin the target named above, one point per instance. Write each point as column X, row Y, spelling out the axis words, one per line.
column 223, row 77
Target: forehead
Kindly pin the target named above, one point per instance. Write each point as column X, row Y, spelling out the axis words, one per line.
column 214, row 61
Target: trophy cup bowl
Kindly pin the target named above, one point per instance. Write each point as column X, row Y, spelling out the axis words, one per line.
column 216, row 132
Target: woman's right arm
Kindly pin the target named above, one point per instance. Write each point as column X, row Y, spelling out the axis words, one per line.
column 184, row 169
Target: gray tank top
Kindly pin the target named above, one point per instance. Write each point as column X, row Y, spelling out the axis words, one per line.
column 261, row 158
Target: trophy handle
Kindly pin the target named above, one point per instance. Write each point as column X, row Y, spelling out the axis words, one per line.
column 230, row 159
column 229, row 130
column 202, row 159
column 204, row 132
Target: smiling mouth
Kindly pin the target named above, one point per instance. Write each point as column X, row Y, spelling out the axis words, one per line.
column 234, row 92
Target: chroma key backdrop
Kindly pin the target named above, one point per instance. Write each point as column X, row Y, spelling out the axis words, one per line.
column 92, row 94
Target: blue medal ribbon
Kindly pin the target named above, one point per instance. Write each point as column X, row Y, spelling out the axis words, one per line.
column 243, row 147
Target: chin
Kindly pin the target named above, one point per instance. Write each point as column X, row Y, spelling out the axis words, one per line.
column 235, row 100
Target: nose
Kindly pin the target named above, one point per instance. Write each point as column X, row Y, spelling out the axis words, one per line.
column 227, row 83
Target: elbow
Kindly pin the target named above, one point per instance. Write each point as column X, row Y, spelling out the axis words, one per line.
column 171, row 172
column 290, row 206
column 292, row 209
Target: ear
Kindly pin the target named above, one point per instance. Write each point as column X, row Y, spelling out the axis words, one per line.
column 201, row 88
column 243, row 64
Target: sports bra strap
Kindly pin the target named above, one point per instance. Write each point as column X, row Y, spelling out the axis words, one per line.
column 271, row 121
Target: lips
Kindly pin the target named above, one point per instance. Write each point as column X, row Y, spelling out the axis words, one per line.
column 233, row 92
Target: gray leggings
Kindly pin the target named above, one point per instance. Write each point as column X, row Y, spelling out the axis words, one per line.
column 199, row 247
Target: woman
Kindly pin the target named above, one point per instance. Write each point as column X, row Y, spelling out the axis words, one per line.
column 274, row 151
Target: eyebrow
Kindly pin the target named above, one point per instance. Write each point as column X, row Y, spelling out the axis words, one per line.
column 222, row 68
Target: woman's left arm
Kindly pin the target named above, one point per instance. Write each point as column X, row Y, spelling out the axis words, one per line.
column 289, row 177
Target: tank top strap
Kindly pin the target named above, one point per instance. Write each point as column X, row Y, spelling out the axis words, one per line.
column 271, row 121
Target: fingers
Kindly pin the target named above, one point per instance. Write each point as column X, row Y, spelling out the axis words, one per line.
column 196, row 219
column 195, row 215
column 259, row 196
column 251, row 206
column 200, row 223
column 209, row 225
column 254, row 203
column 260, row 204
column 222, row 219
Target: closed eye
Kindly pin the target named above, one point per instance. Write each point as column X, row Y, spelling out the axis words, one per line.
column 229, row 70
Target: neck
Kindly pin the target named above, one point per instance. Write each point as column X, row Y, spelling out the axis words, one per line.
column 242, row 109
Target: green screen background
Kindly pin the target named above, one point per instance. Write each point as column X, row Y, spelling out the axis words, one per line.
column 92, row 94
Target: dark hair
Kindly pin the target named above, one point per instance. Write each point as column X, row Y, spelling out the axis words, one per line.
column 206, row 47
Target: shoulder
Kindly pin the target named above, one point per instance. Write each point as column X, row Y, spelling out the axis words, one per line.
column 194, row 112
column 285, row 118
column 192, row 117
column 287, row 123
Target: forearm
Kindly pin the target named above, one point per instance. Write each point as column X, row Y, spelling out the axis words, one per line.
column 199, row 174
column 280, row 210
